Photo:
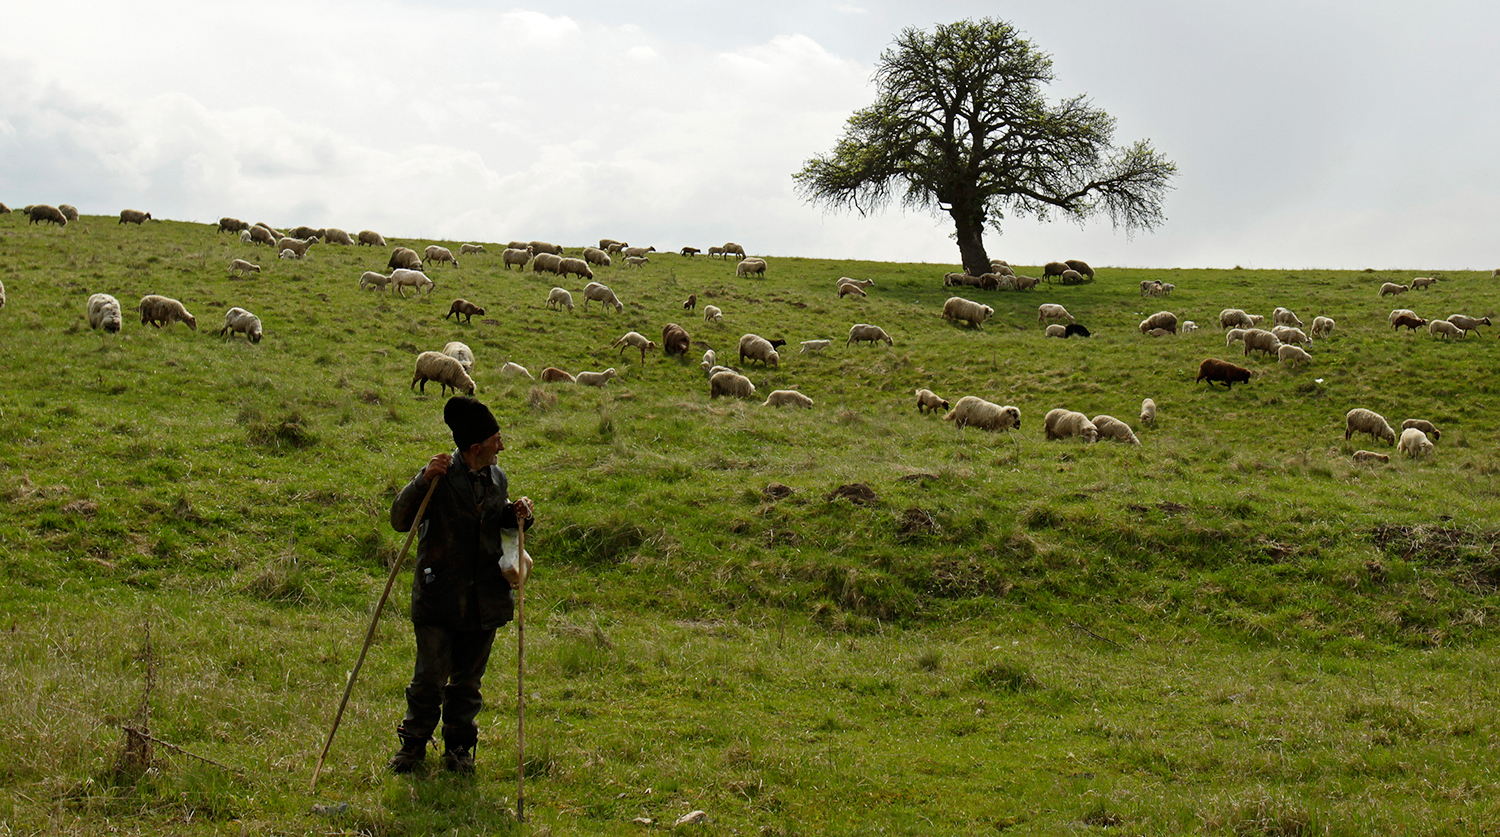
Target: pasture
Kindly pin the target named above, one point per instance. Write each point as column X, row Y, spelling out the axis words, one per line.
column 1228, row 629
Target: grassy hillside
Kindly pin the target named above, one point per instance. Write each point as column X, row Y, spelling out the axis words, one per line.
column 1230, row 628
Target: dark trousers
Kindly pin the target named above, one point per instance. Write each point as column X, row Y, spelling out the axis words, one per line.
column 445, row 685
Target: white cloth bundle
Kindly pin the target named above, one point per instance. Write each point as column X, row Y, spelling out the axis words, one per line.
column 515, row 565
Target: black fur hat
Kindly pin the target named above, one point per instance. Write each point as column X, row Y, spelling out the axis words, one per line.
column 470, row 421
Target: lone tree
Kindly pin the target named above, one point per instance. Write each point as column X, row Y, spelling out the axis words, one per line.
column 960, row 125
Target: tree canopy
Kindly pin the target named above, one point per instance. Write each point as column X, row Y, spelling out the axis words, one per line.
column 960, row 126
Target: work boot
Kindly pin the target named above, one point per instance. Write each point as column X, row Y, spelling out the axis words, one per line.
column 459, row 759
column 411, row 755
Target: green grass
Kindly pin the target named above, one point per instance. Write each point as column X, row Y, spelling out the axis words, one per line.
column 1230, row 629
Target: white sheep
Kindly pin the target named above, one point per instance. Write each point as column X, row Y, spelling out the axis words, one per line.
column 1148, row 412
column 372, row 238
column 544, row 247
column 1065, row 424
column 1284, row 317
column 969, row 311
column 512, row 256
column 636, row 340
column 730, row 248
column 1109, row 427
column 1322, row 327
column 849, row 288
column 559, row 298
column 603, row 295
column 749, row 266
column 596, row 256
column 862, row 283
column 288, row 254
column 246, row 237
column 1467, row 323
column 1360, row 420
column 467, row 249
column 462, row 353
column 636, row 261
column 1422, row 283
column 371, row 279
column 864, row 332
column 445, row 370
column 1414, row 443
column 1288, row 353
column 1425, row 426
column 334, row 235
column 787, row 398
column 513, row 369
column 1365, row 457
column 1052, row 311
column 574, row 267
column 161, row 310
column 930, row 402
column 638, row 252
column 296, row 245
column 1234, row 334
column 1057, row 330
column 755, row 347
column 1164, row 320
column 1236, row 318
column 1260, row 340
column 710, row 360
column 546, row 263
column 730, row 383
column 973, row 411
column 812, row 347
column 1444, row 329
column 712, row 314
column 403, row 278
column 1188, row 327
column 1291, row 334
column 1391, row 289
column 595, row 379
column 103, row 311
column 1166, row 289
column 240, row 321
column 1150, row 287
column 243, row 267
column 434, row 253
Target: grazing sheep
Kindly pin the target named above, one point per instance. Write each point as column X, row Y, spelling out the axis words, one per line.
column 161, row 310
column 334, row 235
column 69, row 211
column 749, row 266
column 574, row 267
column 604, row 295
column 513, row 369
column 674, row 340
column 861, row 283
column 1188, row 327
column 1052, row 311
column 1292, row 354
column 467, row 249
column 1391, row 288
column 434, row 253
column 1235, row 318
column 403, row 279
column 755, row 347
column 930, row 402
column 1444, row 329
column 246, row 238
column 465, row 309
column 712, row 314
column 710, row 360
column 552, row 375
column 270, row 229
column 404, row 258
column 636, row 261
column 512, row 256
column 547, row 263
column 734, row 249
column 1065, row 424
column 1365, row 457
column 606, row 243
column 787, row 398
column 1075, row 330
column 559, row 298
column 1396, row 312
column 1466, row 323
column 1056, row 330
column 1157, row 332
column 447, row 371
column 715, row 251
column 1150, row 287
column 864, row 332
column 1165, row 320
column 103, row 309
column 288, row 254
column 1148, row 412
column 730, row 384
column 812, row 347
column 1322, row 327
column 1051, row 269
column 974, row 313
column 1212, row 369
column 518, row 245
column 1423, row 425
column 233, row 225
column 633, row 339
column 134, row 216
column 973, row 411
column 690, row 251
column 545, row 247
column 952, row 279
column 691, row 303
column 243, row 267
column 261, row 235
column 371, row 279
column 1414, row 443
column 240, row 321
column 1360, row 420
column 1284, row 317
column 1080, row 266
column 1113, row 429
column 1422, row 283
column 847, row 288
column 594, row 255
column 1411, row 321
column 460, row 352
column 372, row 238
column 1025, row 283
column 306, row 232
column 1291, row 334
column 1260, row 340
column 1071, row 277
column 43, row 212
column 595, row 379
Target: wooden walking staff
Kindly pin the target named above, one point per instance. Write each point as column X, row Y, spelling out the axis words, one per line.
column 521, row 674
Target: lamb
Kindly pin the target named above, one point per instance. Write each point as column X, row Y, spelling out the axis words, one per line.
column 434, row 253
column 712, row 314
column 616, row 249
column 1065, row 424
column 243, row 267
column 445, row 370
column 552, row 374
column 1291, row 334
column 1080, row 266
column 404, row 258
column 574, row 267
column 1444, row 329
column 1056, row 330
column 930, row 402
column 1423, row 425
column 547, row 263
column 161, row 310
column 288, row 254
column 1148, row 412
column 864, row 332
column 710, row 360
column 639, row 252
column 1391, row 288
column 233, row 225
column 1071, row 277
column 43, row 212
column 559, row 298
column 372, row 238
column 1051, row 269
column 731, row 384
column 261, row 235
column 1414, row 443
column 1025, row 283
column 545, row 247
column 1322, row 327
column 512, row 256
column 463, row 308
column 595, row 379
column 1292, row 354
column 1165, row 320
column 636, row 261
column 973, row 411
column 134, row 216
column 1075, row 330
column 1052, row 311
column 974, row 313
column 633, row 339
column 1150, row 287
column 731, row 248
column 1284, row 317
column 513, row 369
column 240, row 321
column 862, row 283
column 755, row 347
column 1365, row 457
column 691, row 303
column 246, row 238
column 1411, row 321
column 460, row 352
column 1111, row 428
column 1360, row 420
column 1212, row 369
column 468, row 249
column 371, row 279
column 403, row 279
column 674, row 340
column 334, row 235
column 604, row 295
column 1188, row 327
column 812, row 347
column 1260, row 340
column 749, row 266
column 846, row 288
column 1166, row 289
column 594, row 255
column 104, row 312
column 1422, row 283
column 787, row 398
column 715, row 251
column 1467, row 323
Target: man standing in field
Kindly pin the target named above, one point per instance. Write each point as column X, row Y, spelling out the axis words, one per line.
column 461, row 593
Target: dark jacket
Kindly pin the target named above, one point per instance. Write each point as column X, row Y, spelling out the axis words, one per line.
column 458, row 583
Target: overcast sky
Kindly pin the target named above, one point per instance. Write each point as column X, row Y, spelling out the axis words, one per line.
column 1307, row 134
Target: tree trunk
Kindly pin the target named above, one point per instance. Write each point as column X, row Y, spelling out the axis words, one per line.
column 971, row 241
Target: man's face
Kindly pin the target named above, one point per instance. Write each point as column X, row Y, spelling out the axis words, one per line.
column 486, row 453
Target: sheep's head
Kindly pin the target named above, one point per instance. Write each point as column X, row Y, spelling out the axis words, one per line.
column 192, row 322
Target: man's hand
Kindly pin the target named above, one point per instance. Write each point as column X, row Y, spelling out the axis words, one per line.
column 523, row 508
column 437, row 466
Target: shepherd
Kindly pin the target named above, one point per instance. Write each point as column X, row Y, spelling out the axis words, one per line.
column 464, row 586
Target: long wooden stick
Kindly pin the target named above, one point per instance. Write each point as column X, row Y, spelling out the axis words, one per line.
column 521, row 674
column 370, row 634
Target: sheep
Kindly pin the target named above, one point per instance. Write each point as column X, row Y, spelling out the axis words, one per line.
column 712, row 314
column 1157, row 332
column 869, row 333
column 512, row 256
column 1496, row 274
column 1292, row 354
column 447, row 371
column 42, row 212
column 930, row 402
column 270, row 229
column 1051, row 269
column 1025, row 283
column 615, row 249
column 518, row 245
column 547, row 263
column 787, row 398
column 1148, row 412
column 994, row 263
column 1000, row 268
column 691, row 303
column 1423, row 425
column 1396, row 312
column 134, row 216
column 403, row 279
column 605, row 243
column 1164, row 320
column 371, row 238
column 973, row 411
column 710, row 360
column 243, row 267
column 862, row 283
column 371, row 279
column 636, row 261
column 731, row 384
column 261, row 235
column 103, row 311
column 812, row 347
column 552, row 375
column 1444, row 329
column 465, row 309
column 460, row 352
column 674, row 340
column 1109, row 427
column 68, row 210
column 1065, row 424
column 1284, row 317
column 594, row 255
column 1414, row 443
column 1235, row 318
column 574, row 267
column 404, row 258
column 951, row 279
column 1150, row 287
column 1071, row 277
column 1391, row 288
column 434, row 253
column 634, row 339
column 246, row 238
column 595, row 379
column 715, row 251
column 1075, row 330
column 469, row 249
column 1360, row 420
column 545, row 247
column 1212, row 369
column 755, row 347
column 1422, row 283
column 604, row 295
column 306, row 232
column 997, row 282
column 1166, row 289
column 690, row 251
column 1322, row 327
column 1411, row 321
column 558, row 298
column 846, row 289
column 2, row 290
column 1365, row 457
column 731, row 248
column 161, row 310
column 513, row 369
column 233, row 225
column 1291, row 334
column 1466, row 323
column 1188, row 327
column 1056, row 330
column 1081, row 267
column 1260, row 340
column 240, row 321
column 288, row 254
column 639, row 252
column 1052, row 311
column 334, row 235
column 749, row 266
column 974, row 313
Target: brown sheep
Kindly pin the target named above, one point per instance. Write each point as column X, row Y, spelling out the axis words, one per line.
column 464, row 308
column 404, row 257
column 1080, row 266
column 1054, row 269
column 1410, row 321
column 232, row 225
column 552, row 374
column 674, row 340
column 691, row 304
column 42, row 212
column 1212, row 370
